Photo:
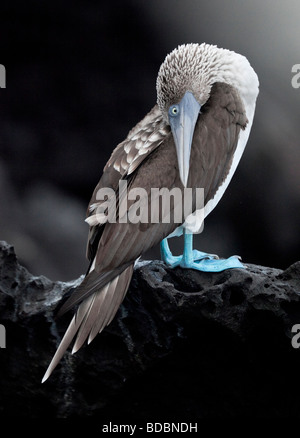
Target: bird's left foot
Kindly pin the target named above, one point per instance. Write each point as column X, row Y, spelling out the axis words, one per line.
column 173, row 261
column 212, row 264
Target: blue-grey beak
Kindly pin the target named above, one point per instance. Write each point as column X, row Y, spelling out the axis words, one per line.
column 182, row 119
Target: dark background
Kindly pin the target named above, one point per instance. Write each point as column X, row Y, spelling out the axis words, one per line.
column 80, row 74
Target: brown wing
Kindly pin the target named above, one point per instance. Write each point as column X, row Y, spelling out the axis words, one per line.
column 143, row 139
column 105, row 288
column 121, row 244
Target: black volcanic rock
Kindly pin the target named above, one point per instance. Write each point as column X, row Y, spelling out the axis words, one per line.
column 184, row 345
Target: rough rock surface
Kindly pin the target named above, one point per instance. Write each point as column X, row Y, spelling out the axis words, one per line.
column 184, row 346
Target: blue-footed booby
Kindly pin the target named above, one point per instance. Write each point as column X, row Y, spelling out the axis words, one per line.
column 193, row 137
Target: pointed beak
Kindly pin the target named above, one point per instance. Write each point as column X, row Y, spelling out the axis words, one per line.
column 182, row 119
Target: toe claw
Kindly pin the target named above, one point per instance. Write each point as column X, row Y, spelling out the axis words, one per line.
column 199, row 255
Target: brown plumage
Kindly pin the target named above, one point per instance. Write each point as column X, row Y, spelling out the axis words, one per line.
column 147, row 158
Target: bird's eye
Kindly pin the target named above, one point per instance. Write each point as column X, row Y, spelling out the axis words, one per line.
column 174, row 110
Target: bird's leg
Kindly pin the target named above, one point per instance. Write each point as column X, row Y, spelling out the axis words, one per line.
column 189, row 255
column 193, row 255
column 167, row 256
column 200, row 261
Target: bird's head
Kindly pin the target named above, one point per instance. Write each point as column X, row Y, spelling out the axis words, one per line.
column 183, row 86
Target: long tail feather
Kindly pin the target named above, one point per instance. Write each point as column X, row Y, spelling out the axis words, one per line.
column 93, row 314
column 96, row 310
column 69, row 335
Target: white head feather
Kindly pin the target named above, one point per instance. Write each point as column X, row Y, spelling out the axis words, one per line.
column 196, row 67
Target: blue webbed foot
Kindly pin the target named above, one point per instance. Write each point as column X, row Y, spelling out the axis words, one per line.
column 198, row 260
column 213, row 265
